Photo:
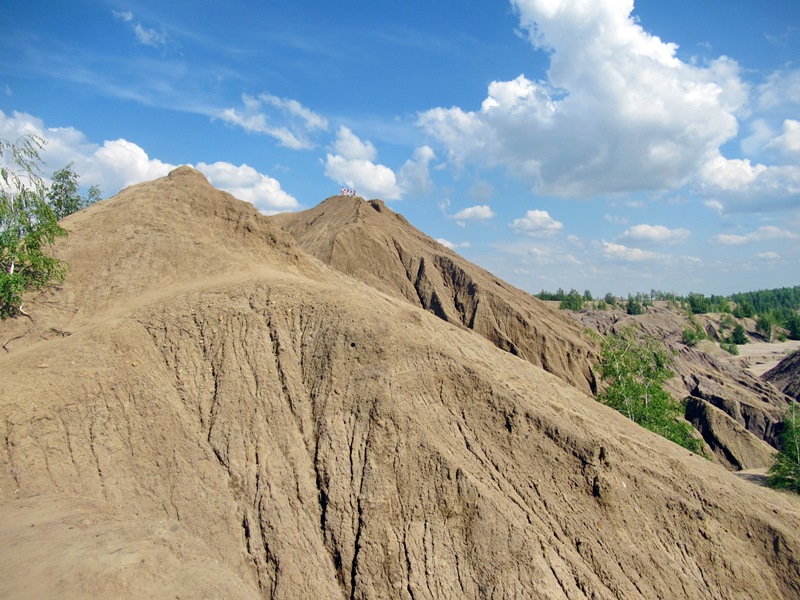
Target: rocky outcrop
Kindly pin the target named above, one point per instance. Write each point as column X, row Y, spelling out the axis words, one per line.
column 271, row 428
column 368, row 241
column 733, row 445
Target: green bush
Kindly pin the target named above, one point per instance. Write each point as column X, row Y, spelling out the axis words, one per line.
column 785, row 472
column 636, row 370
column 730, row 348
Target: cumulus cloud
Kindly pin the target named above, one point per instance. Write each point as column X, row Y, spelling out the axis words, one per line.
column 414, row 176
column 788, row 143
column 453, row 245
column 618, row 110
column 259, row 114
column 537, row 223
column 616, row 251
column 761, row 234
column 481, row 212
column 115, row 164
column 780, row 88
column 352, row 163
column 351, row 147
column 737, row 184
column 246, row 183
column 656, row 234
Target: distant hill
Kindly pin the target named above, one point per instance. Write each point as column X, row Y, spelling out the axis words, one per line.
column 204, row 410
column 372, row 243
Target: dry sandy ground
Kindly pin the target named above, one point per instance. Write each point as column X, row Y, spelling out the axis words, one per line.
column 224, row 417
column 760, row 357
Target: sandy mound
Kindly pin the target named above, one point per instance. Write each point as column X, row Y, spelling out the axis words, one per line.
column 293, row 433
column 786, row 375
column 370, row 242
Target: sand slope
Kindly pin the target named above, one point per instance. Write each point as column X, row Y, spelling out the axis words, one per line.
column 259, row 426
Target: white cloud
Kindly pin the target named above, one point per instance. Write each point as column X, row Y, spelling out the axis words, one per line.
column 369, row 180
column 481, row 212
column 621, row 252
column 768, row 256
column 714, row 205
column 351, row 147
column 788, row 143
column 353, row 165
column 537, row 223
column 737, row 184
column 656, row 234
column 144, row 35
column 780, row 88
column 414, row 176
column 149, row 37
column 615, row 219
column 453, row 245
column 618, row 111
column 761, row 234
column 255, row 117
column 119, row 163
column 246, row 183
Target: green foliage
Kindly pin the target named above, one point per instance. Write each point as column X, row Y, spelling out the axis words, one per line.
column 634, row 306
column 610, row 299
column 587, row 295
column 730, row 348
column 694, row 334
column 28, row 225
column 726, row 322
column 699, row 304
column 764, row 326
column 744, row 310
column 785, row 472
column 636, row 370
column 63, row 195
column 738, row 335
column 792, row 324
column 572, row 301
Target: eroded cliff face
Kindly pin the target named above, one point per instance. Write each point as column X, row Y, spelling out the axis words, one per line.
column 293, row 433
column 786, row 375
column 379, row 247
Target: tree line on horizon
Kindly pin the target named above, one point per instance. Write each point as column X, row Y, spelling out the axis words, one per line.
column 773, row 308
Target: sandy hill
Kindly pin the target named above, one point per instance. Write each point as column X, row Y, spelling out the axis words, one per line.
column 378, row 246
column 220, row 416
column 786, row 375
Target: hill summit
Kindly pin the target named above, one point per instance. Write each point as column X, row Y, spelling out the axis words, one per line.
column 206, row 410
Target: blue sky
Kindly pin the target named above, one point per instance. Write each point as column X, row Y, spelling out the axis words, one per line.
column 593, row 144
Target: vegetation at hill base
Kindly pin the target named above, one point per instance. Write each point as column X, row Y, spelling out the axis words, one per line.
column 636, row 369
column 29, row 215
column 785, row 473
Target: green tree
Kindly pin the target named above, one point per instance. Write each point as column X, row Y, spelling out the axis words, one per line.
column 63, row 195
column 634, row 306
column 764, row 326
column 636, row 370
column 572, row 301
column 785, row 472
column 793, row 325
column 28, row 225
column 610, row 299
column 738, row 335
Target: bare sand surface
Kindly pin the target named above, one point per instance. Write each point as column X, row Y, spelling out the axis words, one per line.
column 760, row 357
